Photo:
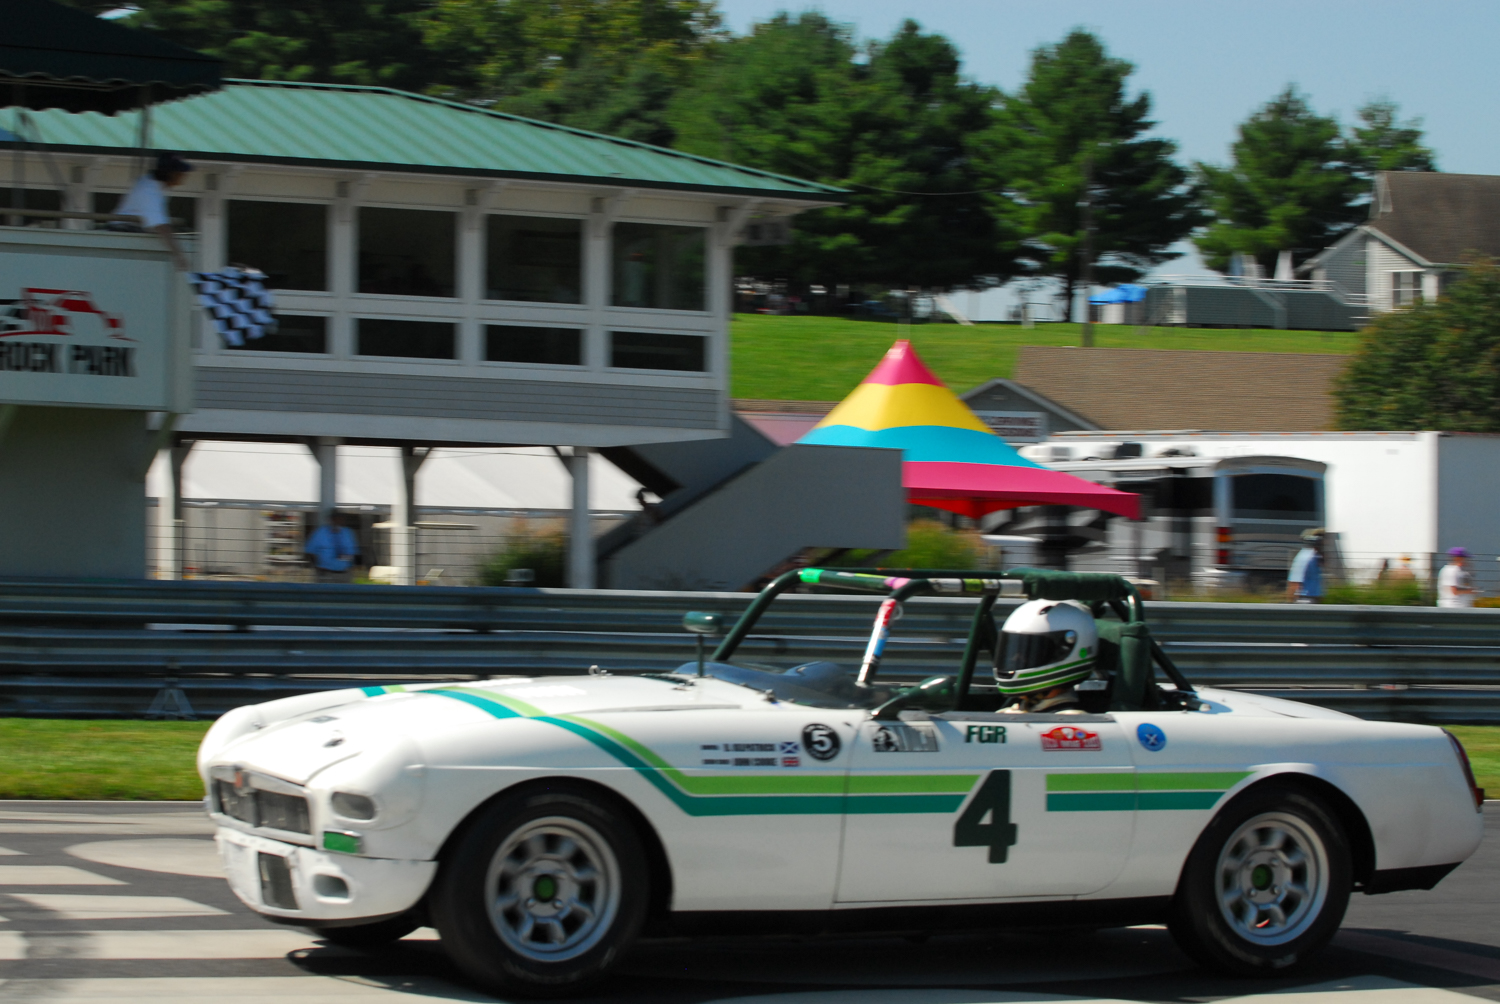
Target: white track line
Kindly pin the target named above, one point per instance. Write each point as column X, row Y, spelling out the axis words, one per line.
column 11, row 875
column 78, row 907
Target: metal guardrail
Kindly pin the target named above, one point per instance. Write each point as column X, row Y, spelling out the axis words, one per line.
column 112, row 648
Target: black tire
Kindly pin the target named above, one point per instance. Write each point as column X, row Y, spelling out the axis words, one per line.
column 1266, row 885
column 381, row 932
column 542, row 892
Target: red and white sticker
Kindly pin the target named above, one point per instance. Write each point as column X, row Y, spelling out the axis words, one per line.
column 1066, row 737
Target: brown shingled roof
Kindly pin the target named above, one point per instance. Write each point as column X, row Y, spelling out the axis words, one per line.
column 1441, row 217
column 1161, row 389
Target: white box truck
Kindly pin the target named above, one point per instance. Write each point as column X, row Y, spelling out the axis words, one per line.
column 1384, row 495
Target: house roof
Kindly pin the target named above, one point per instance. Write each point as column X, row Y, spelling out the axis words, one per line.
column 1441, row 218
column 377, row 128
column 1166, row 389
column 53, row 56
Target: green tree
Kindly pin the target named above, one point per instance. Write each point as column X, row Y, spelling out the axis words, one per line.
column 332, row 41
column 1384, row 143
column 1433, row 366
column 1072, row 133
column 605, row 65
column 1294, row 186
column 888, row 120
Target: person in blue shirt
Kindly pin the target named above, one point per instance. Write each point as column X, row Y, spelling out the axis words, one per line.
column 1304, row 583
column 333, row 548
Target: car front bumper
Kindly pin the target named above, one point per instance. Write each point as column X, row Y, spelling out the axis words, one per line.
column 306, row 884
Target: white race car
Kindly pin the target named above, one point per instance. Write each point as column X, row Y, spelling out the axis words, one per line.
column 543, row 824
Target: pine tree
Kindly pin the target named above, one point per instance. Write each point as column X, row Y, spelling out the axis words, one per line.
column 1294, row 186
column 1070, row 135
column 1385, row 144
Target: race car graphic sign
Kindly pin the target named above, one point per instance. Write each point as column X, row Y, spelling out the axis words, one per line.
column 92, row 319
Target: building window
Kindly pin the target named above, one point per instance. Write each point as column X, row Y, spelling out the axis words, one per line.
column 407, row 339
column 49, row 199
column 179, row 207
column 294, row 333
column 650, row 350
column 1406, row 288
column 534, row 258
column 406, row 252
column 286, row 240
column 504, row 343
column 658, row 266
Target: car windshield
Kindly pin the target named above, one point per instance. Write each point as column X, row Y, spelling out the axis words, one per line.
column 814, row 684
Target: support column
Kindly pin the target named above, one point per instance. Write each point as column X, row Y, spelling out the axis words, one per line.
column 325, row 450
column 403, row 533
column 170, row 524
column 580, row 526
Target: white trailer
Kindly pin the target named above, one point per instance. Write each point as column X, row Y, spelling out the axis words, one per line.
column 1387, row 494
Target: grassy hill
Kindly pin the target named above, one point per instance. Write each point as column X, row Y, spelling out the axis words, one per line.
column 822, row 358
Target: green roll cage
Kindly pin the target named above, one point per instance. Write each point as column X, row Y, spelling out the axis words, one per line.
column 1127, row 639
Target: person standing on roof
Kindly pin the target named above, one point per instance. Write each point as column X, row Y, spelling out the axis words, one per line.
column 147, row 202
column 1304, row 583
column 1455, row 584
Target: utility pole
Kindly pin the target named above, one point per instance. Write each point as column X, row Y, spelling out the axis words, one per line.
column 1088, row 249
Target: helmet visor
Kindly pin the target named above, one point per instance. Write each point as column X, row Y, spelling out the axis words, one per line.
column 1028, row 651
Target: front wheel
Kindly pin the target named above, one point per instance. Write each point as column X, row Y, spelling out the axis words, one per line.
column 542, row 893
column 1265, row 886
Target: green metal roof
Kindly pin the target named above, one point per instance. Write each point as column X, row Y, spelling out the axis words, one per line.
column 376, row 128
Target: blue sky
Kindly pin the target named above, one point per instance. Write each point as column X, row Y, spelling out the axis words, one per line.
column 1209, row 63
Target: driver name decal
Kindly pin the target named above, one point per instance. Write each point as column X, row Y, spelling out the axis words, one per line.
column 1067, row 737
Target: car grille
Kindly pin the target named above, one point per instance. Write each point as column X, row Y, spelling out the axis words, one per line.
column 271, row 809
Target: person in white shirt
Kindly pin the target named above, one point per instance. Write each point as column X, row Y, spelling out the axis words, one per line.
column 1455, row 584
column 147, row 202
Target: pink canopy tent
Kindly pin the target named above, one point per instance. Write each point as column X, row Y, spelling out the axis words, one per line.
column 952, row 460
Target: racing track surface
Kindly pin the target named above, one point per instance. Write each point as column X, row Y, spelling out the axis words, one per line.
column 120, row 902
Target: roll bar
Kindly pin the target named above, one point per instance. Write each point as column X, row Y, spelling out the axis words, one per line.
column 898, row 584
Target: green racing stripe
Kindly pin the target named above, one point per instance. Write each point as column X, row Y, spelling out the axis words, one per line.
column 735, row 795
column 1133, row 790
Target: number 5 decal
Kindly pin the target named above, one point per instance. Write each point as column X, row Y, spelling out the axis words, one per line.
column 999, row 833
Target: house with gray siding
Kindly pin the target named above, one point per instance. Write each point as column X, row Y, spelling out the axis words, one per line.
column 1422, row 226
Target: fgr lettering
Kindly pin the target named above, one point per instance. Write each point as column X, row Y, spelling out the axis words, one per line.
column 984, row 734
column 102, row 360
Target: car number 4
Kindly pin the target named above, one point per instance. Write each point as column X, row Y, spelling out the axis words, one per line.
column 985, row 821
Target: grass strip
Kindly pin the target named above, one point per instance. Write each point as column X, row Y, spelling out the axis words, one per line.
column 117, row 760
column 106, row 760
column 824, row 358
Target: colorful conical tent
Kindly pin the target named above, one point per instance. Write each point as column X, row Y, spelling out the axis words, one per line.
column 952, row 460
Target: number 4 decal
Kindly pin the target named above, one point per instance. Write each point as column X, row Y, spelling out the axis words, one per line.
column 992, row 800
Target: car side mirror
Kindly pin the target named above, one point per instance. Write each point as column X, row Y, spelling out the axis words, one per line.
column 703, row 624
column 935, row 690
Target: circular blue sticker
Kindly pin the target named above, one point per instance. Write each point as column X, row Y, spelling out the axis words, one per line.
column 1151, row 737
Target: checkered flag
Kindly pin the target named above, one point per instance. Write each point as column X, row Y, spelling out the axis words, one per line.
column 238, row 301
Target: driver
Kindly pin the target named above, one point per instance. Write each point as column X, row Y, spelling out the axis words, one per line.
column 1045, row 647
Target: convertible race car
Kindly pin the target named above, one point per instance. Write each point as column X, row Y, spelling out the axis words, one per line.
column 541, row 825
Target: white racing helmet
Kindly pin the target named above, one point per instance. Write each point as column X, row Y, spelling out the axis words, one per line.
column 1045, row 644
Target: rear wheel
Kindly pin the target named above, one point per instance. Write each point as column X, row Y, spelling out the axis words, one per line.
column 542, row 893
column 1265, row 886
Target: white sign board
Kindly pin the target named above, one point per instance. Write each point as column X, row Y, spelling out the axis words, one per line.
column 92, row 319
column 1016, row 426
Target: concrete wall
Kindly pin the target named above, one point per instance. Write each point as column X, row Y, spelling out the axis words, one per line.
column 804, row 496
column 73, row 494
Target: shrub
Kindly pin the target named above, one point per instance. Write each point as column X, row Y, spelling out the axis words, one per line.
column 929, row 544
column 544, row 554
column 1380, row 594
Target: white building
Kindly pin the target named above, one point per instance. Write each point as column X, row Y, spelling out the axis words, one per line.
column 445, row 276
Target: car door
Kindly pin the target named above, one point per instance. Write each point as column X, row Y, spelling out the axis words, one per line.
column 748, row 801
column 976, row 806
